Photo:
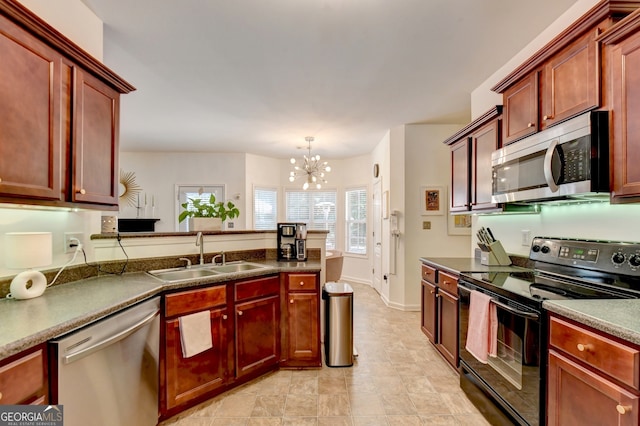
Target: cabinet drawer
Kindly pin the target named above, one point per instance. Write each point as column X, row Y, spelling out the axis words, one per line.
column 190, row 301
column 618, row 360
column 257, row 288
column 22, row 378
column 429, row 274
column 298, row 282
column 448, row 282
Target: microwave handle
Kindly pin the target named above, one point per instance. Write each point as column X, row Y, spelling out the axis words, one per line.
column 548, row 171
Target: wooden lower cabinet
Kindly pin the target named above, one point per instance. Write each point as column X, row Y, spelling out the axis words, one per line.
column 439, row 311
column 301, row 340
column 257, row 335
column 592, row 377
column 23, row 378
column 577, row 396
column 185, row 381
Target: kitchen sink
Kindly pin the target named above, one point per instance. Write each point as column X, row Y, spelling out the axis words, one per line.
column 179, row 274
column 200, row 271
column 241, row 266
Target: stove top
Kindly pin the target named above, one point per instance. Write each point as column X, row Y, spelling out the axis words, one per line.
column 569, row 269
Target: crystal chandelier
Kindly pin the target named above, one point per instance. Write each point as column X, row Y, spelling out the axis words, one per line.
column 312, row 170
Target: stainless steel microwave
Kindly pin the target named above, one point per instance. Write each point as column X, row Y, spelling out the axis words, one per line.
column 568, row 160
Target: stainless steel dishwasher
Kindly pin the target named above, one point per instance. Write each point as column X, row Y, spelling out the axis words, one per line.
column 107, row 373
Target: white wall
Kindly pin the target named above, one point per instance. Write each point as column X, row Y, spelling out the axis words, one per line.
column 74, row 20
column 426, row 162
column 157, row 173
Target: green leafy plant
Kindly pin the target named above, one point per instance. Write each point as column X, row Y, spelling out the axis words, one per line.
column 211, row 208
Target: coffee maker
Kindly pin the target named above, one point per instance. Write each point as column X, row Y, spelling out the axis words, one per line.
column 292, row 241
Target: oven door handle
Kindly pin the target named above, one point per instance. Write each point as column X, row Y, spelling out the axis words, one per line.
column 506, row 307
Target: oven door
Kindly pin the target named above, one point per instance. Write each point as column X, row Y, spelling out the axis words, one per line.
column 513, row 377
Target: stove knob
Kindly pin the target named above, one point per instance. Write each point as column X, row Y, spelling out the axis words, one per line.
column 535, row 248
column 545, row 249
column 634, row 260
column 618, row 258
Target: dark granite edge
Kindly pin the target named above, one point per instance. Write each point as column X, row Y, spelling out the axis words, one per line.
column 115, row 235
column 56, row 330
column 599, row 324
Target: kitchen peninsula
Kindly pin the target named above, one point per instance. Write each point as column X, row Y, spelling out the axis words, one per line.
column 27, row 325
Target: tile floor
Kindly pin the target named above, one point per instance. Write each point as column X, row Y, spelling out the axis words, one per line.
column 398, row 378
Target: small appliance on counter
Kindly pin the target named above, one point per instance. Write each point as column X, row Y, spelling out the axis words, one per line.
column 292, row 241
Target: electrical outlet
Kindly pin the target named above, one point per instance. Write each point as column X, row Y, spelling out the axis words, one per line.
column 426, row 225
column 526, row 237
column 70, row 242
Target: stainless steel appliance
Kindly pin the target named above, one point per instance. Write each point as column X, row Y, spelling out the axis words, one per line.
column 509, row 388
column 107, row 373
column 292, row 241
column 566, row 161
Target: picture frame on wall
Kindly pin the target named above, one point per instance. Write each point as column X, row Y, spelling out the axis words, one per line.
column 433, row 200
column 459, row 224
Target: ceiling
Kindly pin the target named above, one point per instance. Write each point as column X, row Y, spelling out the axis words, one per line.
column 259, row 75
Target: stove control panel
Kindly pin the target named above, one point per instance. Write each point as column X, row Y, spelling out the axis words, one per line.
column 605, row 256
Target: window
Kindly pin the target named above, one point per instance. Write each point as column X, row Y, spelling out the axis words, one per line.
column 186, row 192
column 315, row 208
column 356, row 221
column 265, row 208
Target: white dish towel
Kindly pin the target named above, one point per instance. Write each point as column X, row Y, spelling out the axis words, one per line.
column 195, row 333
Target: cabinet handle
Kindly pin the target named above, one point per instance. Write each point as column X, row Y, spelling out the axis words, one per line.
column 301, row 283
column 0, row 179
column 224, row 317
column 530, row 125
column 583, row 348
column 82, row 191
column 623, row 409
column 290, row 300
column 0, row 395
column 240, row 313
column 432, row 291
column 547, row 117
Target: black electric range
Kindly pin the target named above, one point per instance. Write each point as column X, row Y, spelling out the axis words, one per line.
column 510, row 387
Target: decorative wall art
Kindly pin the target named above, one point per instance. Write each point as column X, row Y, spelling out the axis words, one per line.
column 459, row 224
column 433, row 200
column 129, row 189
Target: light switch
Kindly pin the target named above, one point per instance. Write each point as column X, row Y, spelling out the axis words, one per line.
column 426, row 225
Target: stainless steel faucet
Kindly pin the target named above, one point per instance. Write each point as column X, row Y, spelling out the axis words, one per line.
column 221, row 256
column 188, row 262
column 199, row 243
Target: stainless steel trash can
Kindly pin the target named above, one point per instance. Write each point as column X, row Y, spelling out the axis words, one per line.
column 338, row 339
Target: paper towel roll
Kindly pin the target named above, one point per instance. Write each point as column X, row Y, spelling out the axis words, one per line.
column 27, row 285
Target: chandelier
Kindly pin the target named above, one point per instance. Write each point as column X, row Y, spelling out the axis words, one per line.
column 311, row 169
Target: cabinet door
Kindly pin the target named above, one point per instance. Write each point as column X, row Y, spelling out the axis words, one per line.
column 577, row 396
column 460, row 166
column 521, row 109
column 303, row 329
column 95, row 141
column 428, row 308
column 448, row 327
column 625, row 74
column 257, row 335
column 30, row 133
column 23, row 378
column 483, row 143
column 571, row 81
column 189, row 378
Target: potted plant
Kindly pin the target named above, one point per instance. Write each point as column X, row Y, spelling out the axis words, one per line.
column 207, row 215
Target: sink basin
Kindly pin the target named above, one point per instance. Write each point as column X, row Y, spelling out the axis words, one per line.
column 230, row 268
column 179, row 274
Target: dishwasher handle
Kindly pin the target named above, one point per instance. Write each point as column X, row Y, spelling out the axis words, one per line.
column 68, row 359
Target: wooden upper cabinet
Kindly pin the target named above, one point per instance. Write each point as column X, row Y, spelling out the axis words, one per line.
column 571, row 81
column 483, row 143
column 95, row 141
column 60, row 117
column 30, row 138
column 623, row 43
column 521, row 109
column 460, row 162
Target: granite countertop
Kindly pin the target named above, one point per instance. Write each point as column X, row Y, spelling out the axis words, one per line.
column 457, row 265
column 617, row 317
column 67, row 307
